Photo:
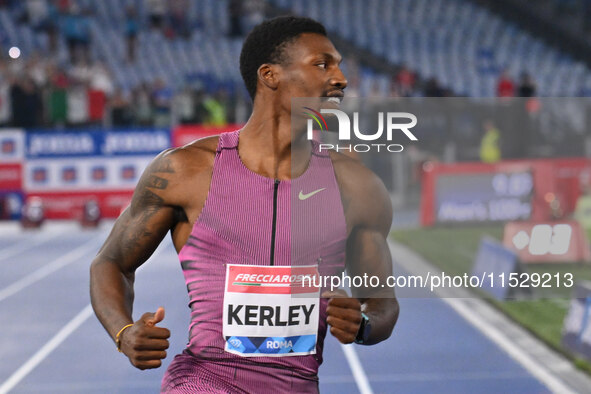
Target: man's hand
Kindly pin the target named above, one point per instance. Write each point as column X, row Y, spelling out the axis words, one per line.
column 144, row 343
column 344, row 315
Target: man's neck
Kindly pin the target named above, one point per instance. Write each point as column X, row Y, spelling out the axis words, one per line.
column 267, row 146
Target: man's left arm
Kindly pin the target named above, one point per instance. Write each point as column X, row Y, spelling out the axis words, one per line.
column 368, row 256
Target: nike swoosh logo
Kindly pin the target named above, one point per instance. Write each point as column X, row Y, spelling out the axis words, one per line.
column 303, row 196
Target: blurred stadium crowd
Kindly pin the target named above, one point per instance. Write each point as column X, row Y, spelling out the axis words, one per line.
column 72, row 63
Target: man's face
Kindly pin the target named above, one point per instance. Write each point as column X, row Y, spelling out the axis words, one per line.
column 311, row 69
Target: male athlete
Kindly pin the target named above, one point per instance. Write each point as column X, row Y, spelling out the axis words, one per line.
column 244, row 207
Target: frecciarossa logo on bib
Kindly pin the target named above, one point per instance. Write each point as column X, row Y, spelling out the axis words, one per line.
column 271, row 280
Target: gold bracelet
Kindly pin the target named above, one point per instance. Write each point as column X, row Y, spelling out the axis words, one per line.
column 118, row 336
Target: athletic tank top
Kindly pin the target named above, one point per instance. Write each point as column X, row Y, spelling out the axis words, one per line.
column 253, row 220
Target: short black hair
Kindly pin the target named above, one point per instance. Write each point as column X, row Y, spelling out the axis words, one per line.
column 266, row 44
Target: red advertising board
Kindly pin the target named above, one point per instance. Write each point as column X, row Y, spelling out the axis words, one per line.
column 11, row 176
column 570, row 174
column 556, row 188
column 69, row 204
column 547, row 242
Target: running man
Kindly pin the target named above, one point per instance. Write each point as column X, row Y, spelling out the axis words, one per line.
column 237, row 209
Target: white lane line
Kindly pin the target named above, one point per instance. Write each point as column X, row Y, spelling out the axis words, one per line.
column 27, row 244
column 67, row 330
column 439, row 378
column 60, row 262
column 534, row 367
column 357, row 369
column 49, row 347
column 409, row 261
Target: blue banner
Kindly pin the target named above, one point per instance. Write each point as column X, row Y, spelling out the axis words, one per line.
column 576, row 329
column 260, row 346
column 496, row 260
column 104, row 143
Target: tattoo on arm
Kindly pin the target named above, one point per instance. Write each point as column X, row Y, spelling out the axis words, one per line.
column 141, row 223
column 156, row 182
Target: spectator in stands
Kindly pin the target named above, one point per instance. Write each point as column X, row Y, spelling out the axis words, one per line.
column 5, row 86
column 37, row 13
column 433, row 89
column 527, row 86
column 394, row 91
column 375, row 90
column 77, row 113
column 80, row 72
column 132, row 27
column 216, row 108
column 100, row 89
column 505, row 85
column 121, row 112
column 235, row 15
column 57, row 76
column 36, row 69
column 76, row 29
column 405, row 81
column 184, row 106
column 63, row 6
column 157, row 10
column 142, row 104
column 254, row 13
column 200, row 112
column 49, row 25
column 582, row 211
column 26, row 103
column 162, row 96
column 179, row 21
column 101, row 80
column 490, row 144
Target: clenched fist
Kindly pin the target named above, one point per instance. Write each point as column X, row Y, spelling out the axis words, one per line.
column 145, row 344
column 344, row 315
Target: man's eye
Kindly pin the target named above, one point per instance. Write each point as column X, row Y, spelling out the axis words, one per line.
column 321, row 65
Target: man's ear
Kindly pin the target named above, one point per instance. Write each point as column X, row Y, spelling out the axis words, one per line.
column 267, row 74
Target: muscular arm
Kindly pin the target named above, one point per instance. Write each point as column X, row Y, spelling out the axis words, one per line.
column 135, row 236
column 368, row 211
column 368, row 254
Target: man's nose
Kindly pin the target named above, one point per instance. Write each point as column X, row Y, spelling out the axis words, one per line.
column 338, row 79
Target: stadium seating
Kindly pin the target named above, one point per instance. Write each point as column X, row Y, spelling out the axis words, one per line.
column 461, row 44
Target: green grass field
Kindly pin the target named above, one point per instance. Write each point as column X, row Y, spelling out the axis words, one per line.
column 453, row 250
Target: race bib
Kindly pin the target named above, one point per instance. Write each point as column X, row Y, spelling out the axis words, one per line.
column 271, row 311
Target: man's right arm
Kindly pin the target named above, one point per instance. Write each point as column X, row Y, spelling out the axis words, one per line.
column 135, row 236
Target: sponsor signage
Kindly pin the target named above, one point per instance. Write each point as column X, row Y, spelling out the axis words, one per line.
column 70, row 204
column 493, row 261
column 10, row 176
column 88, row 173
column 68, row 169
column 536, row 190
column 483, row 197
column 547, row 242
column 43, row 144
column 12, row 145
column 576, row 330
